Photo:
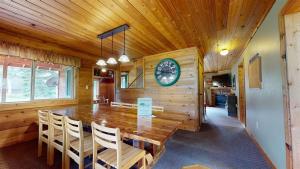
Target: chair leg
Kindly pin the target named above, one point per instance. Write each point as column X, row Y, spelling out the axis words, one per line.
column 144, row 163
column 51, row 155
column 63, row 160
column 67, row 161
column 81, row 164
column 48, row 154
column 40, row 144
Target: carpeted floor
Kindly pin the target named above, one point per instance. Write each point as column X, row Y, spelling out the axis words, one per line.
column 221, row 144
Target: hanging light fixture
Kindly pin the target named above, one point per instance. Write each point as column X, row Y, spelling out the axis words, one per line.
column 124, row 58
column 101, row 62
column 224, row 52
column 112, row 60
column 104, row 70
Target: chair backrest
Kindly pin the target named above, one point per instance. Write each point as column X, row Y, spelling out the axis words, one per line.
column 73, row 128
column 158, row 108
column 57, row 121
column 108, row 138
column 57, row 124
column 43, row 116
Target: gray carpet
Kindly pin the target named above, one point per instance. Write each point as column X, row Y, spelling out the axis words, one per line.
column 222, row 143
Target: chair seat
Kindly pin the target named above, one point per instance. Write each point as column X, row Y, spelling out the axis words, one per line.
column 130, row 156
column 46, row 132
column 87, row 144
column 60, row 137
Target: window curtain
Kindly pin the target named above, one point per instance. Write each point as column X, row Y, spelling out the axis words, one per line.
column 12, row 49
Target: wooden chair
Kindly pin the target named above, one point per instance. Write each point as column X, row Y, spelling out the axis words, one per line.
column 158, row 108
column 43, row 118
column 78, row 144
column 118, row 154
column 57, row 137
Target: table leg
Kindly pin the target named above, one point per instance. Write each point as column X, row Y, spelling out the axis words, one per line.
column 154, row 149
column 141, row 146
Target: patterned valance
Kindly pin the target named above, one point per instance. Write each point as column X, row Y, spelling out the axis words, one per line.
column 12, row 49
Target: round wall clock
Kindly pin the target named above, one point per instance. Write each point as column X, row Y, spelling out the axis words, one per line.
column 167, row 72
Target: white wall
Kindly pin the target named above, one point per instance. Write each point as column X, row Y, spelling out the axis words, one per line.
column 264, row 107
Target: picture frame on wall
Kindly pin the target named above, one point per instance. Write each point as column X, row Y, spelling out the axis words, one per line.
column 255, row 72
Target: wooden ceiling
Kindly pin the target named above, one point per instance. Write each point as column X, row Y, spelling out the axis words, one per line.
column 156, row 26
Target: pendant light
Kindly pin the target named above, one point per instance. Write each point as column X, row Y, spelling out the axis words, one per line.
column 101, row 62
column 112, row 60
column 124, row 58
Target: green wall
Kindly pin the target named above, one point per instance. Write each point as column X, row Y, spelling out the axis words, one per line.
column 264, row 107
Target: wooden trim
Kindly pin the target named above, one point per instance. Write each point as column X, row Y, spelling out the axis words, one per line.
column 285, row 86
column 261, row 150
column 36, row 103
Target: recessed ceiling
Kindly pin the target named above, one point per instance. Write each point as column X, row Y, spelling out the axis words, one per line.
column 156, row 25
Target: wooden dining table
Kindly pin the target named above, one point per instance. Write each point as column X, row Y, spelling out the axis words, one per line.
column 155, row 130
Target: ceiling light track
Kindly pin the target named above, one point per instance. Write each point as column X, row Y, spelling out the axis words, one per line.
column 123, row 58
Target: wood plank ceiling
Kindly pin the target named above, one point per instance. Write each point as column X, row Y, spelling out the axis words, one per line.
column 156, row 25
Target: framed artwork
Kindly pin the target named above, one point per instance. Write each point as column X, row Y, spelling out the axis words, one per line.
column 254, row 72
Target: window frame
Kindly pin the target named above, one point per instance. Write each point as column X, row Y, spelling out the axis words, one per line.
column 3, row 91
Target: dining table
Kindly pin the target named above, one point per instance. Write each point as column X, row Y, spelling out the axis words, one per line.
column 154, row 130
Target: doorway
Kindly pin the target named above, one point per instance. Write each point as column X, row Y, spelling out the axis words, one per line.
column 103, row 86
column 242, row 93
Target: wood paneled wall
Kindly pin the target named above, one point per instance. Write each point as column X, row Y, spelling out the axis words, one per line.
column 85, row 85
column 107, row 90
column 183, row 97
column 18, row 121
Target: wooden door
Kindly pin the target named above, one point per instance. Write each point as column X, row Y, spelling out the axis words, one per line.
column 242, row 95
column 292, row 28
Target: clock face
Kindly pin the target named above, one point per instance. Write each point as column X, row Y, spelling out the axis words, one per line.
column 167, row 72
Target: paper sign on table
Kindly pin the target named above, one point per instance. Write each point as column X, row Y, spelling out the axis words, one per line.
column 145, row 107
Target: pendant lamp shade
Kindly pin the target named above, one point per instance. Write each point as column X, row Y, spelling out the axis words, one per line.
column 112, row 61
column 124, row 58
column 101, row 62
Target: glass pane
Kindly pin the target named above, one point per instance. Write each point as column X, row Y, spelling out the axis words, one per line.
column 66, row 82
column 46, row 82
column 96, row 89
column 18, row 87
column 53, row 81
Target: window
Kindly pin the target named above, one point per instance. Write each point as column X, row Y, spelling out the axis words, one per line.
column 46, row 81
column 53, row 81
column 124, row 80
column 96, row 89
column 26, row 80
column 18, row 85
column 66, row 82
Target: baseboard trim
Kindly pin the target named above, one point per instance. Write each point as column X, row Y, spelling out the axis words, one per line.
column 269, row 161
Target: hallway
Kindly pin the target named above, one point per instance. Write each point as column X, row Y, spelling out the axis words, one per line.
column 222, row 143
